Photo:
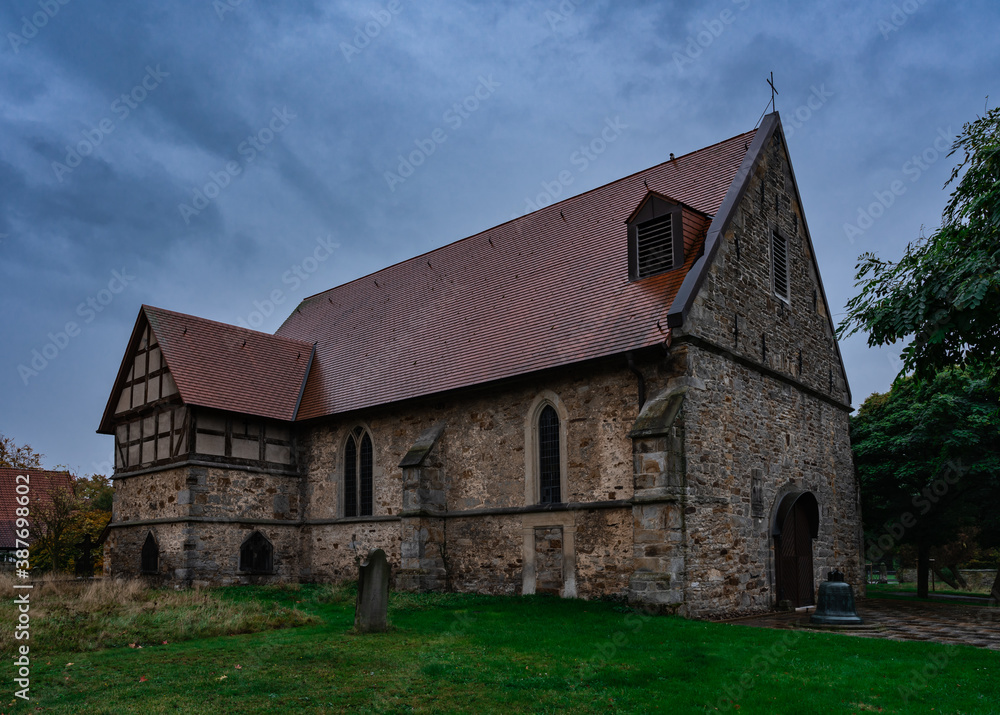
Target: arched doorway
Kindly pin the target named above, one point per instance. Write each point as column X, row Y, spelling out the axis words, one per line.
column 796, row 524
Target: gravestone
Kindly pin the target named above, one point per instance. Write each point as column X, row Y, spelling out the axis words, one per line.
column 371, row 608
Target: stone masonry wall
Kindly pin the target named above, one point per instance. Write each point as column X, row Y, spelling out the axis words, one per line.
column 740, row 421
column 481, row 454
column 123, row 549
column 202, row 551
column 481, row 459
column 213, row 552
column 327, row 554
column 208, row 492
column 156, row 495
column 482, row 447
column 736, row 307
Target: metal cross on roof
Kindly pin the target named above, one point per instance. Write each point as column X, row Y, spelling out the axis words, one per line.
column 773, row 90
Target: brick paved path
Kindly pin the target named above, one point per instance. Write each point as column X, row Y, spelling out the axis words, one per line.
column 908, row 621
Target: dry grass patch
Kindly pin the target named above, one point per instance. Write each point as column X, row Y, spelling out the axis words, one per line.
column 68, row 614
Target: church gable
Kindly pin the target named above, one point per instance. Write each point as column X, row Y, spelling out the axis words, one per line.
column 758, row 292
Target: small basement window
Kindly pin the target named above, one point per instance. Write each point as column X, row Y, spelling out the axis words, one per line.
column 779, row 266
column 257, row 555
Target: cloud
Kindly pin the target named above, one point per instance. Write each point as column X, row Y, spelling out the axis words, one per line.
column 563, row 67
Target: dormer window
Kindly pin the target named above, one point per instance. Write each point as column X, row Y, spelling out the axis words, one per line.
column 654, row 242
column 655, row 238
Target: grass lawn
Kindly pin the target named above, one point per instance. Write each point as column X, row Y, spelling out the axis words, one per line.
column 460, row 653
column 911, row 587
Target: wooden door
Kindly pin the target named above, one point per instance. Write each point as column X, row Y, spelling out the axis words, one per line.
column 794, row 558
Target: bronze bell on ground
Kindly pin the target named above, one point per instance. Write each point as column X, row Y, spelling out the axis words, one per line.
column 835, row 603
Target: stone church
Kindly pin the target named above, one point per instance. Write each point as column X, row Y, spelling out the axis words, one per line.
column 635, row 392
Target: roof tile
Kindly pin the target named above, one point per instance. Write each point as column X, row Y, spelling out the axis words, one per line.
column 231, row 368
column 544, row 290
column 40, row 483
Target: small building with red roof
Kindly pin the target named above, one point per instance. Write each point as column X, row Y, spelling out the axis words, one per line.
column 22, row 493
column 635, row 392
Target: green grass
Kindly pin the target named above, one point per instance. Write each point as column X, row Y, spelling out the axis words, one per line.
column 463, row 653
column 72, row 616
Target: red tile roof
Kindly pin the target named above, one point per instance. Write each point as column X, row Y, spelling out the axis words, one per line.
column 221, row 366
column 545, row 290
column 231, row 368
column 40, row 483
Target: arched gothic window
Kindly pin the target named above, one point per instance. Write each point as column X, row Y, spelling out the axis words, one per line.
column 257, row 554
column 548, row 456
column 358, row 465
column 150, row 562
column 545, row 451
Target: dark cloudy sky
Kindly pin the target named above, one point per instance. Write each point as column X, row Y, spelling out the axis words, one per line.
column 286, row 117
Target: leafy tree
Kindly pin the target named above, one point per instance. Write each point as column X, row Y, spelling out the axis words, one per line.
column 83, row 535
column 53, row 522
column 95, row 492
column 75, row 518
column 16, row 456
column 945, row 290
column 928, row 457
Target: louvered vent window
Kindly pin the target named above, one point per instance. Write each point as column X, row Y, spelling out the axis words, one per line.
column 150, row 555
column 655, row 246
column 779, row 265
